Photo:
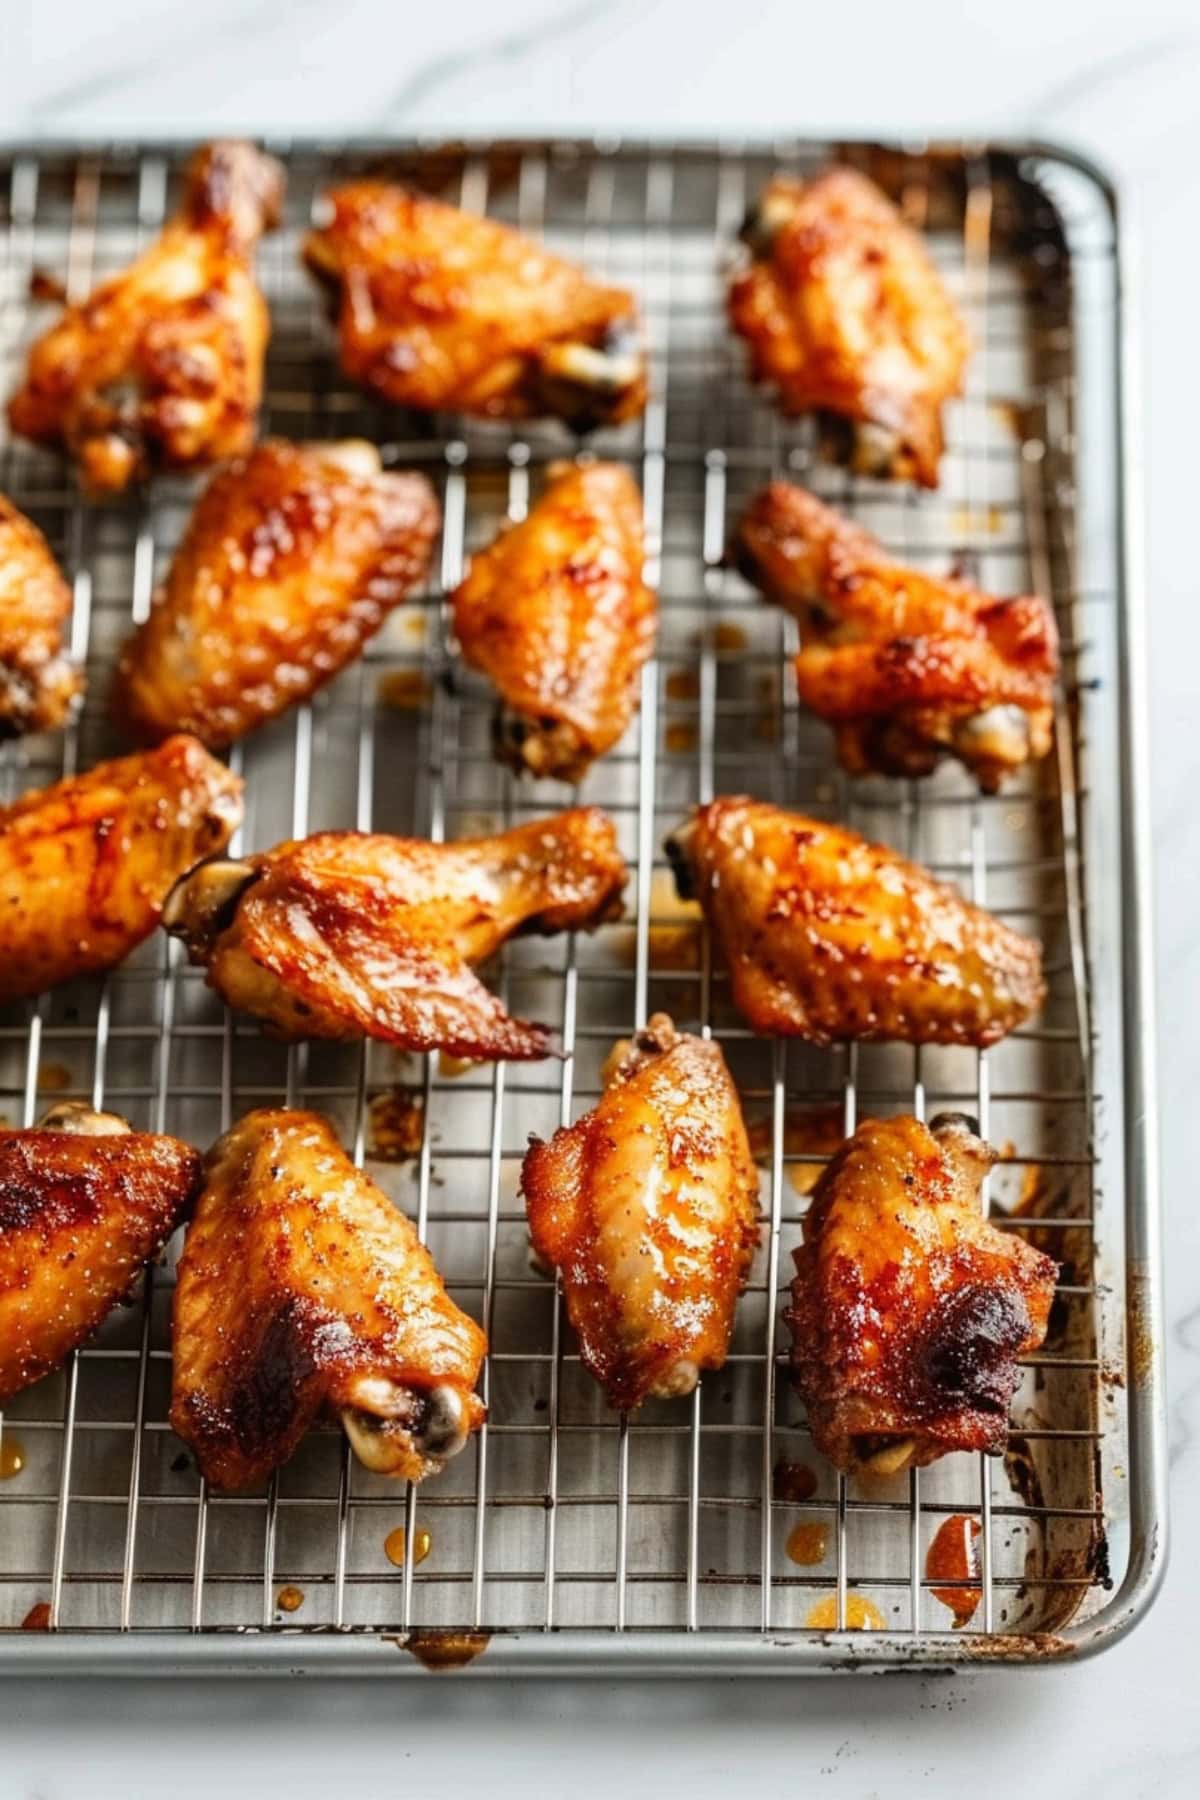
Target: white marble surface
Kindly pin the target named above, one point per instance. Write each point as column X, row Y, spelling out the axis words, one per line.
column 1121, row 81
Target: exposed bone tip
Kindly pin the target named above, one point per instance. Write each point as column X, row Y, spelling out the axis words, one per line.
column 201, row 902
column 677, row 1381
column 889, row 1459
column 82, row 1120
column 390, row 1425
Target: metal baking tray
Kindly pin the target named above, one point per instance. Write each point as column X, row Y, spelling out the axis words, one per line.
column 566, row 1539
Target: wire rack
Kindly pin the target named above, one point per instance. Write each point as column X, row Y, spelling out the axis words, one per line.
column 565, row 1537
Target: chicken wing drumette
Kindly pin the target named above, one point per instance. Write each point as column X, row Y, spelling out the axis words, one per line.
column 845, row 314
column 161, row 367
column 292, row 560
column 444, row 311
column 648, row 1207
column 85, row 1203
column 909, row 1310
column 906, row 667
column 557, row 614
column 38, row 684
column 830, row 937
column 348, row 935
column 302, row 1290
column 86, row 865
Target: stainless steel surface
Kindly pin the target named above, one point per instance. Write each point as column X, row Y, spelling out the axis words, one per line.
column 576, row 1541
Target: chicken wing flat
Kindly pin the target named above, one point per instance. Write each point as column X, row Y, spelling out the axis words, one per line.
column 909, row 1310
column 444, row 311
column 906, row 667
column 85, row 865
column 38, row 684
column 830, row 937
column 557, row 615
column 161, row 367
column 85, row 1203
column 349, row 935
column 844, row 312
column 648, row 1206
column 302, row 1289
column 292, row 560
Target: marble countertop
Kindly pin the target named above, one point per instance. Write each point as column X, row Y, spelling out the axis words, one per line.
column 1120, row 82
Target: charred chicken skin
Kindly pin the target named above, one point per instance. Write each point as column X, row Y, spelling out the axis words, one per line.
column 557, row 615
column 845, row 314
column 648, row 1206
column 443, row 311
column 302, row 1290
column 906, row 667
column 161, row 367
column 292, row 560
column 909, row 1310
column 86, row 865
column 349, row 935
column 830, row 937
column 85, row 1203
column 38, row 684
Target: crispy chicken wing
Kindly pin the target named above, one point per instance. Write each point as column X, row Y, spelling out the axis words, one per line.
column 830, row 937
column 648, row 1206
column 301, row 1288
column 85, row 1203
column 38, row 684
column 349, row 935
column 162, row 365
column 905, row 666
column 440, row 310
column 844, row 312
column 292, row 560
column 909, row 1310
column 557, row 614
column 85, row 865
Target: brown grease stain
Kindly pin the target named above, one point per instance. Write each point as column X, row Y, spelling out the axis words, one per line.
column 793, row 1481
column 807, row 1543
column 53, row 1078
column 816, row 1130
column 682, row 684
column 952, row 1558
column 46, row 287
column 680, row 737
column 968, row 520
column 446, row 1649
column 728, row 637
column 675, row 937
column 12, row 1456
column 37, row 1618
column 861, row 1614
column 405, row 690
column 451, row 1067
column 290, row 1599
column 395, row 1125
column 395, row 1546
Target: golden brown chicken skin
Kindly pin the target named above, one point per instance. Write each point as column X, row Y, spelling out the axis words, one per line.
column 557, row 615
column 292, row 560
column 906, row 667
column 86, row 865
column 909, row 1310
column 38, row 684
column 444, row 311
column 349, row 935
column 161, row 367
column 648, row 1206
column 829, row 937
column 846, row 316
column 85, row 1203
column 302, row 1290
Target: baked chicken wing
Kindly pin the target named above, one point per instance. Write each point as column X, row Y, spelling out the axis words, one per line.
column 292, row 560
column 444, row 311
column 85, row 1203
column 648, row 1206
column 906, row 667
column 161, row 367
column 85, row 865
column 301, row 1289
column 830, row 937
column 349, row 935
column 38, row 684
column 557, row 615
column 909, row 1310
column 845, row 314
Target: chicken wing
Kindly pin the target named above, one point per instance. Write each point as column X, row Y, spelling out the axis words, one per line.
column 909, row 1310
column 440, row 310
column 556, row 613
column 844, row 312
column 348, row 935
column 38, row 684
column 302, row 1289
column 830, row 937
column 648, row 1207
column 85, row 865
column 905, row 666
column 85, row 1203
column 161, row 367
column 292, row 560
